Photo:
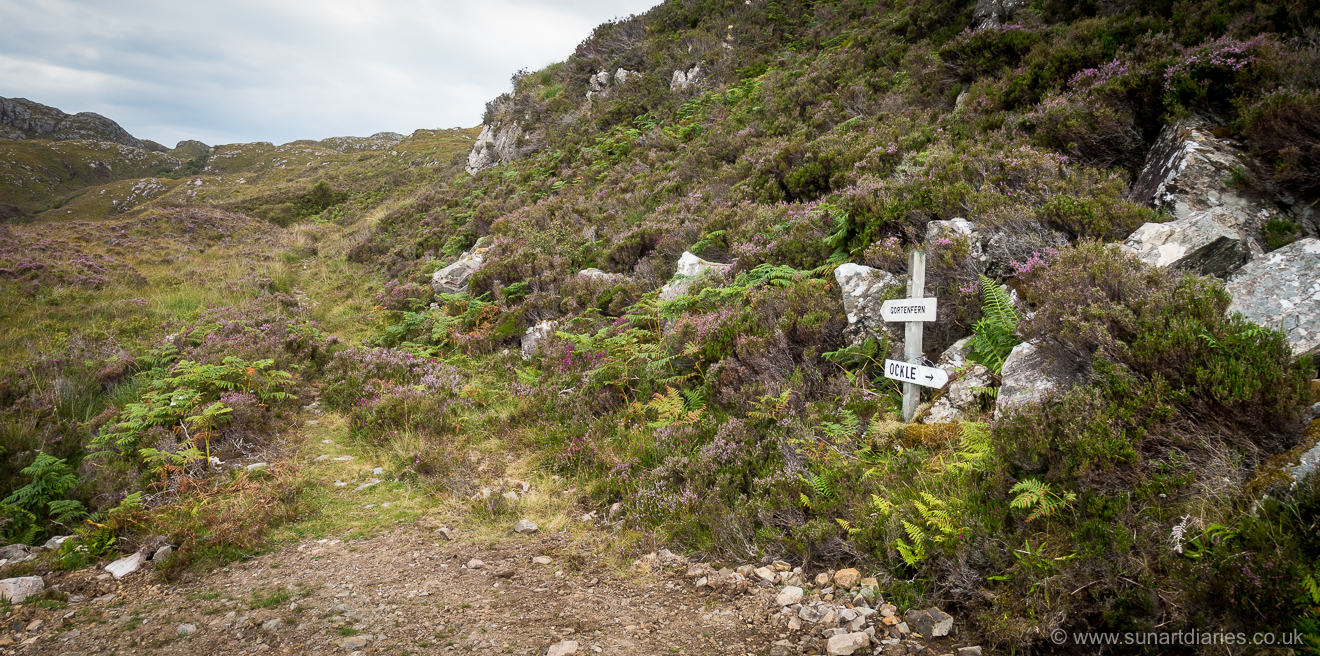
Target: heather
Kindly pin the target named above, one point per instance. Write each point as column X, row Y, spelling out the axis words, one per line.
column 738, row 420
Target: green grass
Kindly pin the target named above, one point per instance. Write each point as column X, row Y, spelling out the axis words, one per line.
column 270, row 598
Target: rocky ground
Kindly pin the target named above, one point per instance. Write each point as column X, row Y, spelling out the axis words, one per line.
column 412, row 591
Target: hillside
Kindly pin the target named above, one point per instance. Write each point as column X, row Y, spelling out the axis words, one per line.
column 650, row 284
column 23, row 119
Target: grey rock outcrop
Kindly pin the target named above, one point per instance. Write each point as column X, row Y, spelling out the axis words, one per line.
column 693, row 76
column 1033, row 371
column 864, row 289
column 55, row 541
column 690, row 267
column 1198, row 243
column 21, row 118
column 494, row 146
column 502, row 137
column 1190, row 171
column 18, row 589
column 1281, row 290
column 534, row 336
column 454, row 278
column 955, row 229
column 962, row 398
column 1308, row 216
column 599, row 84
column 993, row 13
column 17, row 553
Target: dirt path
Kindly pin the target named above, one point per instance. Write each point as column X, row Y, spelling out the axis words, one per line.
column 403, row 593
column 390, row 583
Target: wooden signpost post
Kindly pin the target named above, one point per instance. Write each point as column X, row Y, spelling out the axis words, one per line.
column 914, row 311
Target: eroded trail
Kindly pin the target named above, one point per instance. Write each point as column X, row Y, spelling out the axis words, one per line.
column 405, row 592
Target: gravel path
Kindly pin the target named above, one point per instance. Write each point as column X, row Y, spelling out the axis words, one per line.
column 404, row 592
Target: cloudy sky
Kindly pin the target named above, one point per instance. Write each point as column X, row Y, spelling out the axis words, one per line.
column 229, row 71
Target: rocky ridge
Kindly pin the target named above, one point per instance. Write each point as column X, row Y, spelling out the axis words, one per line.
column 21, row 118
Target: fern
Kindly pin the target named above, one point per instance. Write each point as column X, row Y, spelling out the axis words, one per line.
column 974, row 450
column 674, row 407
column 993, row 339
column 49, row 479
column 1039, row 497
column 845, row 429
column 820, row 484
column 881, row 506
column 938, row 524
column 1311, row 588
column 912, row 554
column 771, row 407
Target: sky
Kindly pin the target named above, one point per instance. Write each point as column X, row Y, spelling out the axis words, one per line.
column 234, row 71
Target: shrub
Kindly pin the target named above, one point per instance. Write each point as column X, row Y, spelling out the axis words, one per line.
column 1283, row 127
column 1212, row 72
column 1163, row 354
column 402, row 296
column 31, row 509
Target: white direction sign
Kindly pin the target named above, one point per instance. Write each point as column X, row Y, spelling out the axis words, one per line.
column 908, row 309
column 915, row 373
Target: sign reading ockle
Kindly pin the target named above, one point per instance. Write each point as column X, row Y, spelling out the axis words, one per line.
column 913, row 310
column 916, row 374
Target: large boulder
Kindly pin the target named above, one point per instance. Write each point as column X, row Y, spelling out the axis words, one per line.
column 126, row 565
column 690, row 267
column 961, row 400
column 18, row 589
column 1281, row 290
column 864, row 289
column 1033, row 371
column 1190, row 170
column 1197, row 243
column 453, row 279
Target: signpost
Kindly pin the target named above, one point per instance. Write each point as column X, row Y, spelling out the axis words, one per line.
column 908, row 309
column 916, row 374
column 914, row 310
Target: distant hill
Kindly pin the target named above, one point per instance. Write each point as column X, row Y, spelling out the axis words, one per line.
column 21, row 118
